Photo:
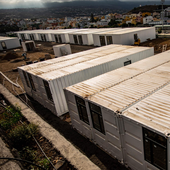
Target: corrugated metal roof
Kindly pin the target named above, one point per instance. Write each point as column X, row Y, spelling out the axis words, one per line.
column 125, row 94
column 7, row 38
column 124, row 30
column 95, row 51
column 120, row 52
column 104, row 81
column 153, row 111
column 91, row 31
column 118, row 89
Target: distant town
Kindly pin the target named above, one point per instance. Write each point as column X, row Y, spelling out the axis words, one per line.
column 17, row 19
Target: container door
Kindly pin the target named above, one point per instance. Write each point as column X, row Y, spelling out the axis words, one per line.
column 56, row 38
column 22, row 36
column 3, row 44
column 109, row 40
column 59, row 37
column 80, row 39
column 102, row 40
column 75, row 39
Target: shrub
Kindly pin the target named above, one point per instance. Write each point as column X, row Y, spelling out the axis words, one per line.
column 22, row 134
column 11, row 117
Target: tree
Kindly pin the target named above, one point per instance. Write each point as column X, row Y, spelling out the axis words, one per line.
column 92, row 18
column 70, row 26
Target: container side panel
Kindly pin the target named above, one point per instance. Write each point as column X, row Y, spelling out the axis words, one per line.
column 133, row 145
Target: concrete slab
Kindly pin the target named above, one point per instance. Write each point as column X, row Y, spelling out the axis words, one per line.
column 5, row 153
column 67, row 150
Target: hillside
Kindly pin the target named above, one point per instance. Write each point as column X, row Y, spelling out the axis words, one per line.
column 147, row 8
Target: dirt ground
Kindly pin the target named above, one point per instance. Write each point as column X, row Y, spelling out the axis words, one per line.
column 10, row 60
column 157, row 44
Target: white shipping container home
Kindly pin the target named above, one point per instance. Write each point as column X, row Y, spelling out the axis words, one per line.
column 45, row 81
column 126, row 112
column 28, row 46
column 62, row 50
column 124, row 36
column 62, row 36
column 9, row 43
column 85, row 37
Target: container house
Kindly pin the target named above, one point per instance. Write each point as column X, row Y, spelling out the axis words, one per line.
column 85, row 37
column 123, row 36
column 45, row 81
column 9, row 43
column 62, row 36
column 125, row 112
column 62, row 50
column 28, row 46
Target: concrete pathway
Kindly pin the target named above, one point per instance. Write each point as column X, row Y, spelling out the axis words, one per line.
column 67, row 150
column 4, row 163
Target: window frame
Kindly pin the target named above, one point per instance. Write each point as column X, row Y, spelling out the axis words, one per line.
column 32, row 37
column 126, row 63
column 102, row 40
column 80, row 38
column 75, row 38
column 48, row 91
column 31, row 82
column 60, row 39
column 82, row 118
column 100, row 117
column 109, row 40
column 152, row 142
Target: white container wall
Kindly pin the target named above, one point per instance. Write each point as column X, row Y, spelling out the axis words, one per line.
column 9, row 43
column 65, row 71
column 123, row 36
column 126, row 112
column 85, row 37
column 62, row 50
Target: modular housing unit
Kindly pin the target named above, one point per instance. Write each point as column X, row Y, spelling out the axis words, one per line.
column 126, row 112
column 45, row 81
column 28, row 46
column 62, row 36
column 61, row 50
column 124, row 36
column 85, row 37
column 9, row 43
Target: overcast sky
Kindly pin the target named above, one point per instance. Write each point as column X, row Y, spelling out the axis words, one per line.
column 39, row 3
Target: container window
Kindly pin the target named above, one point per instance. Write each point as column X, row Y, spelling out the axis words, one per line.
column 82, row 109
column 31, row 81
column 26, row 79
column 127, row 63
column 102, row 40
column 3, row 44
column 155, row 149
column 75, row 39
column 56, row 38
column 47, row 89
column 22, row 36
column 59, row 37
column 80, row 39
column 109, row 40
column 97, row 118
column 32, row 37
column 43, row 37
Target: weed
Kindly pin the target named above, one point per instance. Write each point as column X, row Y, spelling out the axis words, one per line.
column 45, row 163
column 11, row 117
column 22, row 134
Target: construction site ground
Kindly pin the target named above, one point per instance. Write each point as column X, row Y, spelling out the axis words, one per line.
column 11, row 59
